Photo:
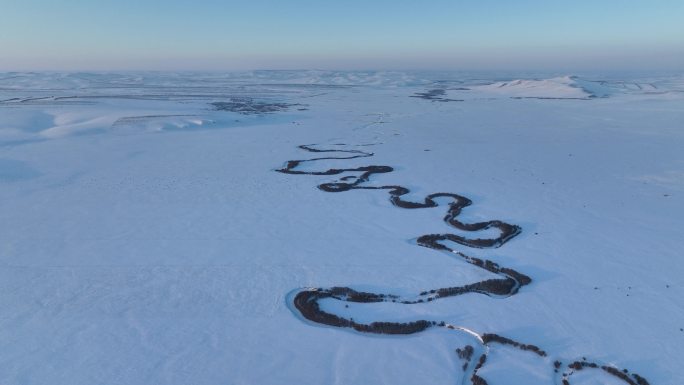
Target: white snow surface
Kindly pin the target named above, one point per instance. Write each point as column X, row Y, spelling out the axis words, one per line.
column 561, row 87
column 145, row 237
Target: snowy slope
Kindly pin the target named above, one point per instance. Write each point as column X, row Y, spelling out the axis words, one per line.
column 148, row 239
column 561, row 87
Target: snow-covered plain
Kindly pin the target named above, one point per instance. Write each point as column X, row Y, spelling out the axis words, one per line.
column 146, row 237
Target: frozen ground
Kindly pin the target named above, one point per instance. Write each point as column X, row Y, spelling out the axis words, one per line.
column 147, row 237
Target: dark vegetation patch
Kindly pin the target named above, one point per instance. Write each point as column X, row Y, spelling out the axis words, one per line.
column 466, row 354
column 249, row 106
column 307, row 304
column 435, row 95
column 475, row 379
column 619, row 374
column 490, row 337
column 623, row 374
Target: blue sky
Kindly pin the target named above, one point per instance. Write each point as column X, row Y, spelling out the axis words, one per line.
column 341, row 34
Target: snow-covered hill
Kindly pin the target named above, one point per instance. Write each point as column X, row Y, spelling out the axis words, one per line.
column 564, row 87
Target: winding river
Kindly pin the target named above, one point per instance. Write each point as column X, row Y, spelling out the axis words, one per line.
column 307, row 300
